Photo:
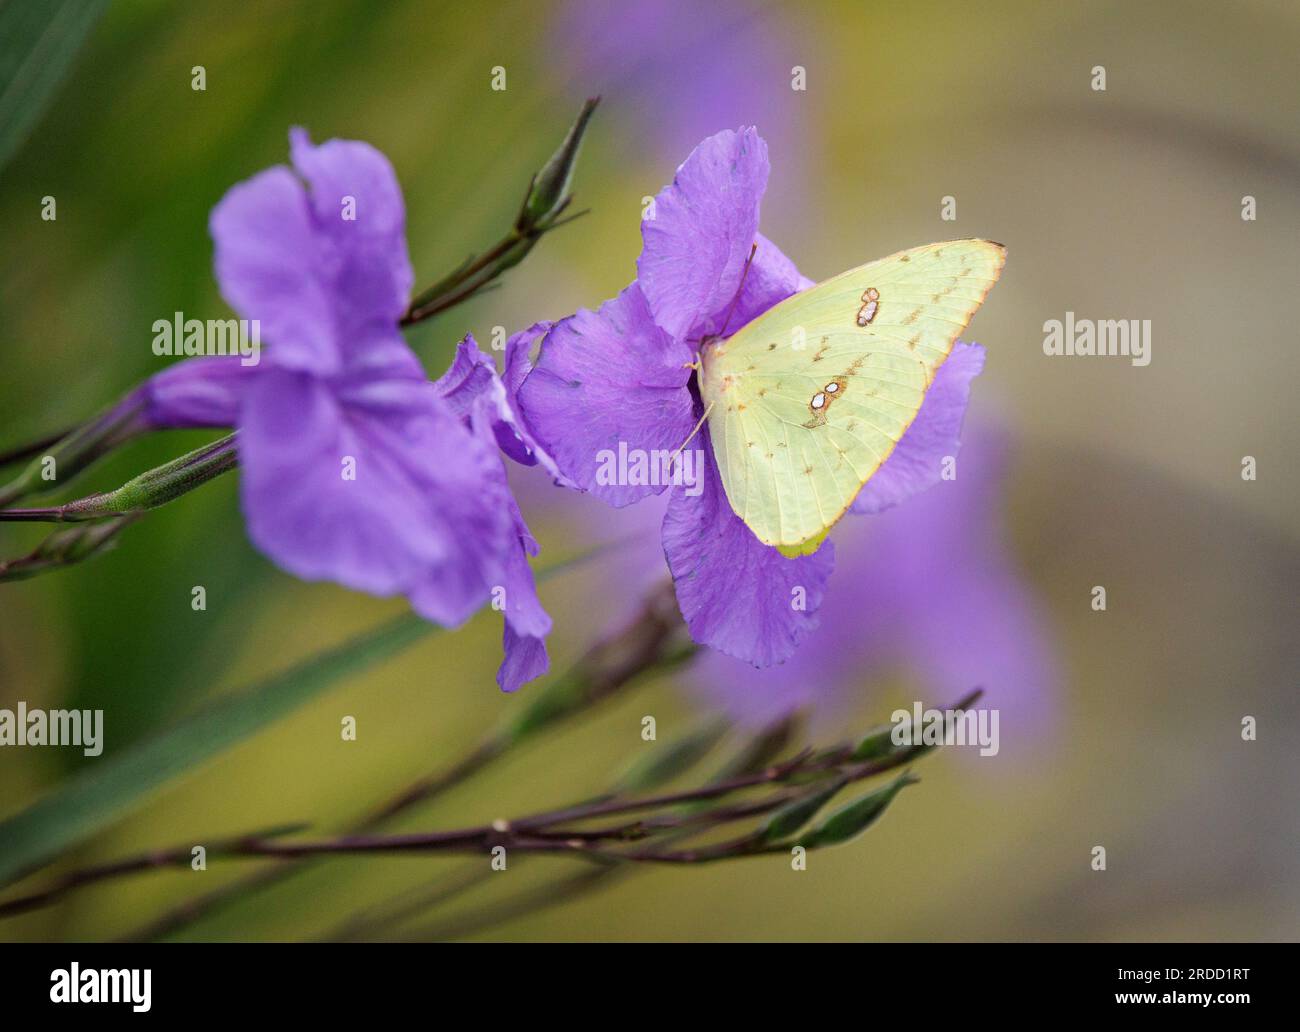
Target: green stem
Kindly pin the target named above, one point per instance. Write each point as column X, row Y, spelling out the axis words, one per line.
column 149, row 490
column 66, row 547
column 547, row 199
column 61, row 458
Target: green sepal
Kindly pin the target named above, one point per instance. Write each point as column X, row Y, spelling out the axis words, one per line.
column 853, row 819
column 794, row 815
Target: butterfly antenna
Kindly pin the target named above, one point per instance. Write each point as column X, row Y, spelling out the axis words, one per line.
column 744, row 272
column 689, row 439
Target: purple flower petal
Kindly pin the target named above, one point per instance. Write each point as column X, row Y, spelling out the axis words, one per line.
column 449, row 593
column 526, row 622
column 518, row 365
column 931, row 588
column 525, row 659
column 916, row 462
column 358, row 209
column 413, row 461
column 772, row 277
column 470, row 374
column 199, row 392
column 471, row 377
column 609, row 383
column 488, row 518
column 355, row 468
column 704, row 226
column 519, row 361
column 326, row 274
column 269, row 260
column 736, row 594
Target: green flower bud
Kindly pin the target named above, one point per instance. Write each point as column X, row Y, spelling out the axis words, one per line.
column 548, row 195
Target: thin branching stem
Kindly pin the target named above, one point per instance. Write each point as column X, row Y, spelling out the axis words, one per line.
column 537, row 833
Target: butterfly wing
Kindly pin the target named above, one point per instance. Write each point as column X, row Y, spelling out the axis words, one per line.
column 809, row 399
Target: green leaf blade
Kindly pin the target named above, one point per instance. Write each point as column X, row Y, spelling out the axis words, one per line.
column 108, row 791
column 38, row 42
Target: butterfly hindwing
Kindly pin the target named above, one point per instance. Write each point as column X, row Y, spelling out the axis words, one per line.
column 809, row 399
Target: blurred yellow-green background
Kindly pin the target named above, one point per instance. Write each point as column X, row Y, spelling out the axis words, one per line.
column 1117, row 204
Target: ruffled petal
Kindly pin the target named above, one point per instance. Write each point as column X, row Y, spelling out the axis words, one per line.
column 704, row 225
column 470, row 374
column 519, row 361
column 736, row 594
column 523, row 610
column 480, row 514
column 916, row 463
column 199, row 392
column 609, row 391
column 472, row 377
column 519, row 364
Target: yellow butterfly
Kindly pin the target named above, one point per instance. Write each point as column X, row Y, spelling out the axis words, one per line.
column 806, row 402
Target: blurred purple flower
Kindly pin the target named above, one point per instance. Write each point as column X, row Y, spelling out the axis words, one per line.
column 930, row 589
column 618, row 378
column 355, row 468
column 720, row 63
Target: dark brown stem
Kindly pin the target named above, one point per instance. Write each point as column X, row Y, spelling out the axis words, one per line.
column 758, row 753
column 534, row 833
column 154, row 859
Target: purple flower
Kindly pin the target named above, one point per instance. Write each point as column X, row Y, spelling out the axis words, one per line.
column 710, row 64
column 930, row 589
column 355, row 468
column 617, row 378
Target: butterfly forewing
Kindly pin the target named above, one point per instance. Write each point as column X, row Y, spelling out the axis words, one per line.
column 809, row 399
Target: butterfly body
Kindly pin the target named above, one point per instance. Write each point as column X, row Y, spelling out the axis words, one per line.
column 807, row 401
